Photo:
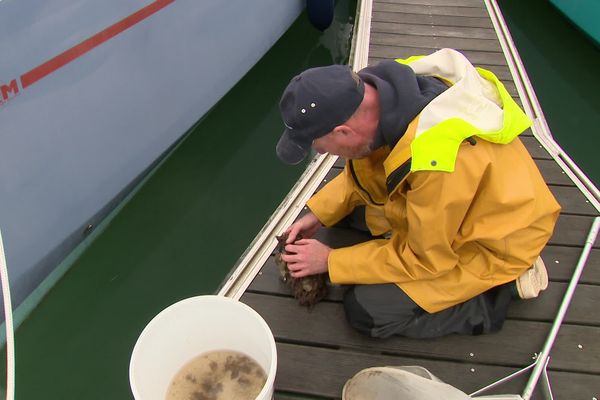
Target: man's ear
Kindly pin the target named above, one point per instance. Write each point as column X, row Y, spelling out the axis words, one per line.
column 344, row 130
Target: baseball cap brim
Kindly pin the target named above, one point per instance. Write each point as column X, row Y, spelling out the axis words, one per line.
column 290, row 151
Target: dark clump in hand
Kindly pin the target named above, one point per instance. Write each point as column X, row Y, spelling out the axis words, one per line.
column 308, row 290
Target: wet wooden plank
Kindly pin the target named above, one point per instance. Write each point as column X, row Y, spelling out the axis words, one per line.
column 572, row 200
column 434, row 42
column 454, row 3
column 534, row 147
column 562, row 260
column 433, row 31
column 284, row 395
column 433, row 10
column 325, row 325
column 511, row 88
column 572, row 230
column 553, row 174
column 583, row 308
column 325, row 371
column 437, row 20
column 567, row 385
column 476, row 57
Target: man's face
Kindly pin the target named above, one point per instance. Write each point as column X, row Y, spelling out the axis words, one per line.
column 343, row 145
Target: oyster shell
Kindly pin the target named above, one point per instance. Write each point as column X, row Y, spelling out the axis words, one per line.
column 308, row 290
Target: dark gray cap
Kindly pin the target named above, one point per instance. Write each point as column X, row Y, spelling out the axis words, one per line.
column 313, row 104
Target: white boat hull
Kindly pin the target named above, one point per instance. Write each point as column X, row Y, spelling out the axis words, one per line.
column 75, row 134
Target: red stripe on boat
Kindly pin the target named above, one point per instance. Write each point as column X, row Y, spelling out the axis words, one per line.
column 31, row 77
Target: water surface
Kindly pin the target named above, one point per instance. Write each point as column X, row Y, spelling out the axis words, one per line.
column 563, row 65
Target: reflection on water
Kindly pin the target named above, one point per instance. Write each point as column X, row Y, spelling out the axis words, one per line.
column 180, row 234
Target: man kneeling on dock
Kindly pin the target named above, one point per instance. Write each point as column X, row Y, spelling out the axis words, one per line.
column 458, row 209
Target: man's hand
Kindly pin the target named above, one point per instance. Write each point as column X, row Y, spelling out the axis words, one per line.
column 307, row 257
column 307, row 226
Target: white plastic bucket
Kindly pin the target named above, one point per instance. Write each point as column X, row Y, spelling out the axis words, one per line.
column 192, row 327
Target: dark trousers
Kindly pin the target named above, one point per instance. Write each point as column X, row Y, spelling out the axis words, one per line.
column 384, row 310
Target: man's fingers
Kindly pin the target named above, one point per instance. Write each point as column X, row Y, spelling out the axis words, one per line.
column 298, row 246
column 294, row 267
column 290, row 258
column 298, row 274
column 297, row 270
column 292, row 234
column 303, row 242
column 293, row 248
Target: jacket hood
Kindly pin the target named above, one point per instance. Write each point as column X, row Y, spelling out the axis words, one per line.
column 475, row 104
column 402, row 96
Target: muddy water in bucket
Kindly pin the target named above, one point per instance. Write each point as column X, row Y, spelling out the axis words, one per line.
column 204, row 348
column 218, row 375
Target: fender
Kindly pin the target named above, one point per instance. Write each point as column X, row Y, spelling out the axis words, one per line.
column 320, row 13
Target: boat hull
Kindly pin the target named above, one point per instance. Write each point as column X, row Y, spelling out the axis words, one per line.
column 93, row 93
column 584, row 14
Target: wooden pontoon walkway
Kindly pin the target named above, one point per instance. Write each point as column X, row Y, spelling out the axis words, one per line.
column 317, row 349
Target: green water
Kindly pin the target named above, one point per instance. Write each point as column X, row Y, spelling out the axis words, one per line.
column 180, row 234
column 563, row 65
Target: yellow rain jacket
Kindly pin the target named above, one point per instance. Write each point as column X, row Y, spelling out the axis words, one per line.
column 467, row 217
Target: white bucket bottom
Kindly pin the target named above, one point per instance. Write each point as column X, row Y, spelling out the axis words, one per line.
column 193, row 327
